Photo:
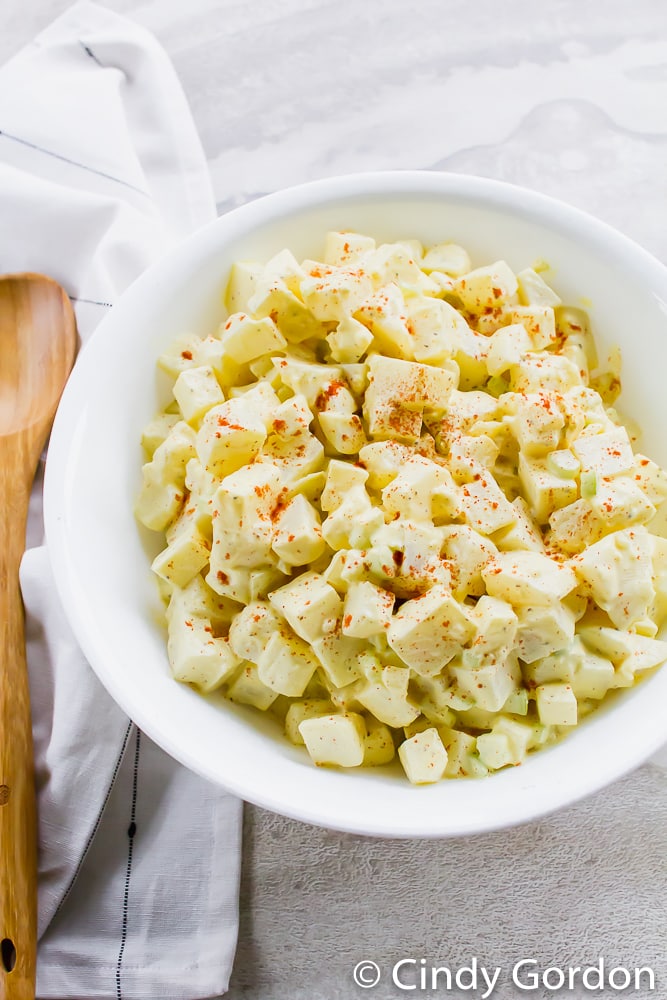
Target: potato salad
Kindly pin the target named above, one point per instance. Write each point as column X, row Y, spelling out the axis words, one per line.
column 401, row 512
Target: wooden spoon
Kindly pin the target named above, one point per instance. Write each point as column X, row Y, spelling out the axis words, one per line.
column 37, row 347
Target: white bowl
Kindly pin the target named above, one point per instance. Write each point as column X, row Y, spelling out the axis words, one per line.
column 101, row 561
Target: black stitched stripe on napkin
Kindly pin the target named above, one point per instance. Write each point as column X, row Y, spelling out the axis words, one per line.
column 131, row 832
column 73, row 163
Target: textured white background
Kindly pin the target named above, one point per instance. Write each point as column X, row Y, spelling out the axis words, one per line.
column 566, row 97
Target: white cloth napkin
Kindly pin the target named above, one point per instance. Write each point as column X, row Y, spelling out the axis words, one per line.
column 100, row 170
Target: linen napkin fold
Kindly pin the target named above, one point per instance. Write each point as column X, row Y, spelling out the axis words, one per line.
column 100, row 170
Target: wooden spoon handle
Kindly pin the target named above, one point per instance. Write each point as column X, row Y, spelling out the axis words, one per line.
column 18, row 828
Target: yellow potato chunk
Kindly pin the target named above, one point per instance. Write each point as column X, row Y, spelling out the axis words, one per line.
column 335, row 740
column 423, row 757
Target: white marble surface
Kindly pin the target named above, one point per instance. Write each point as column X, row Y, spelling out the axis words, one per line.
column 566, row 97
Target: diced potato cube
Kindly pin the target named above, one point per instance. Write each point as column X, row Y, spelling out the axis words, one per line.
column 382, row 461
column 202, row 486
column 181, row 354
column 184, row 557
column 337, row 740
column 448, row 257
column 290, row 445
column 413, row 387
column 286, row 664
column 650, row 478
column 284, row 266
column 333, row 295
column 522, row 534
column 244, row 339
column 310, row 605
column 462, row 756
column 157, row 430
column 556, row 705
column 367, row 610
column 617, row 573
column 608, row 453
column 488, row 686
column 466, row 409
column 534, row 291
column 539, row 322
column 419, row 564
column 384, row 694
column 544, row 490
column 198, row 600
column 344, row 699
column 394, row 422
column 418, row 487
column 625, row 649
column 158, row 503
column 522, row 736
column 357, row 377
column 314, row 386
column 172, row 456
column 468, row 553
column 496, row 751
column 485, row 506
column 294, row 320
column 191, row 516
column 342, row 247
column 309, row 708
column 347, row 566
column 438, row 698
column 429, row 630
column 354, row 523
column 345, row 433
column 593, row 675
column 384, row 313
column 575, row 526
column 468, row 456
column 621, row 503
column 506, row 348
column 543, row 629
column 243, row 281
column 341, row 477
column 251, row 629
column 439, row 331
column 349, row 341
column 537, row 422
column 297, row 538
column 335, row 398
column 423, row 757
column 486, row 287
column 211, row 353
column 397, row 262
column 197, row 657
column 545, row 373
column 339, row 655
column 242, row 517
column 248, row 689
column 589, row 674
column 261, row 398
column 495, row 625
column 196, row 390
column 557, row 666
column 528, row 578
column 378, row 745
column 229, row 581
column 230, row 436
column 310, row 486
